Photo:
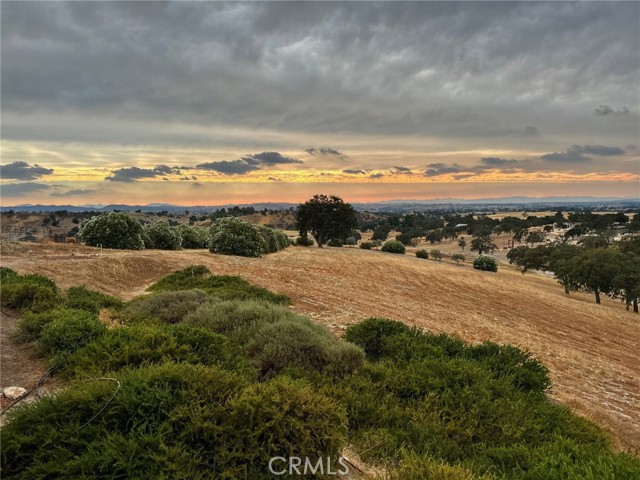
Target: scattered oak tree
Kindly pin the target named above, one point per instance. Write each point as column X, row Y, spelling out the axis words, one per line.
column 326, row 218
column 113, row 230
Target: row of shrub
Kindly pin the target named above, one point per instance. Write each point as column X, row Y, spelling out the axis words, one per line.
column 230, row 236
column 216, row 377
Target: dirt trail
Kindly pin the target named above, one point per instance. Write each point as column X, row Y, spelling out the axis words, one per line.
column 591, row 350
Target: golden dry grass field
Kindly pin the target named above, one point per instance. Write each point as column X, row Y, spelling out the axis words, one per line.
column 591, row 350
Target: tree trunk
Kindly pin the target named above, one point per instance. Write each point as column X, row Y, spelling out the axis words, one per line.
column 566, row 288
column 597, row 292
column 635, row 305
column 319, row 240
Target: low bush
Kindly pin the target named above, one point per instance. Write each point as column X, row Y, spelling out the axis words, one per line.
column 394, row 246
column 415, row 467
column 367, row 245
column 422, row 253
column 162, row 236
column 164, row 307
column 192, row 236
column 372, row 333
column 485, row 263
column 69, row 330
column 458, row 258
column 304, row 242
column 335, row 242
column 28, row 292
column 436, row 254
column 140, row 346
column 232, row 236
column 286, row 418
column 239, row 319
column 224, row 287
column 302, row 345
column 84, row 299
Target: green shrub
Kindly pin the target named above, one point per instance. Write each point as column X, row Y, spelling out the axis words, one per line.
column 28, row 292
column 232, row 236
column 113, row 230
column 458, row 258
column 84, row 299
column 283, row 418
column 283, row 240
column 367, row 245
column 145, row 345
column 239, row 319
column 304, row 242
column 415, row 467
column 302, row 345
column 335, row 242
column 394, row 246
column 162, row 236
column 372, row 333
column 508, row 361
column 224, row 287
column 485, row 263
column 271, row 243
column 422, row 253
column 164, row 307
column 193, row 237
column 7, row 274
column 436, row 254
column 69, row 330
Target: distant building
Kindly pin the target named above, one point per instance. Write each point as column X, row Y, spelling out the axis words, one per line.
column 460, row 226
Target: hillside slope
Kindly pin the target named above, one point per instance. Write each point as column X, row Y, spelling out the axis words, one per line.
column 591, row 350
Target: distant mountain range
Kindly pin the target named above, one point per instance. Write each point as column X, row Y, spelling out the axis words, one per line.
column 500, row 203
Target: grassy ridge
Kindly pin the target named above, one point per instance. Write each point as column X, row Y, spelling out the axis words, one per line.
column 216, row 376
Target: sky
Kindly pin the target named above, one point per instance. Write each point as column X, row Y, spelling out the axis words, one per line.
column 202, row 103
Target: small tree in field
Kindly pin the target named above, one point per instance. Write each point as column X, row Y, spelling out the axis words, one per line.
column 436, row 254
column 326, row 218
column 483, row 244
column 422, row 253
column 462, row 242
column 458, row 258
column 113, row 230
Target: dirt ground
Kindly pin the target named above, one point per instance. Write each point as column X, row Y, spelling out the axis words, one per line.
column 592, row 350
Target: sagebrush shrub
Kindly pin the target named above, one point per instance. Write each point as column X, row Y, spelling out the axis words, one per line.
column 302, row 345
column 304, row 242
column 372, row 333
column 239, row 319
column 164, row 307
column 367, row 245
column 422, row 253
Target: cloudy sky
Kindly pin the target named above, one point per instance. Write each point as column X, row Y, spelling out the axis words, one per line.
column 210, row 103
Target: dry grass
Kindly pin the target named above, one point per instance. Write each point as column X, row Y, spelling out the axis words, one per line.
column 591, row 350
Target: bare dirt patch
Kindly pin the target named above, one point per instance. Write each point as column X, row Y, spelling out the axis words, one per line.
column 591, row 350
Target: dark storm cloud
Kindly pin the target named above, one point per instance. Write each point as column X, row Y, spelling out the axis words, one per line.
column 416, row 68
column 248, row 163
column 131, row 174
column 376, row 175
column 497, row 162
column 604, row 110
column 353, row 171
column 20, row 189
column 23, row 171
column 74, row 193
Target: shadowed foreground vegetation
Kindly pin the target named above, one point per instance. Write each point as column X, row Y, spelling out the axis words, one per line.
column 209, row 377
